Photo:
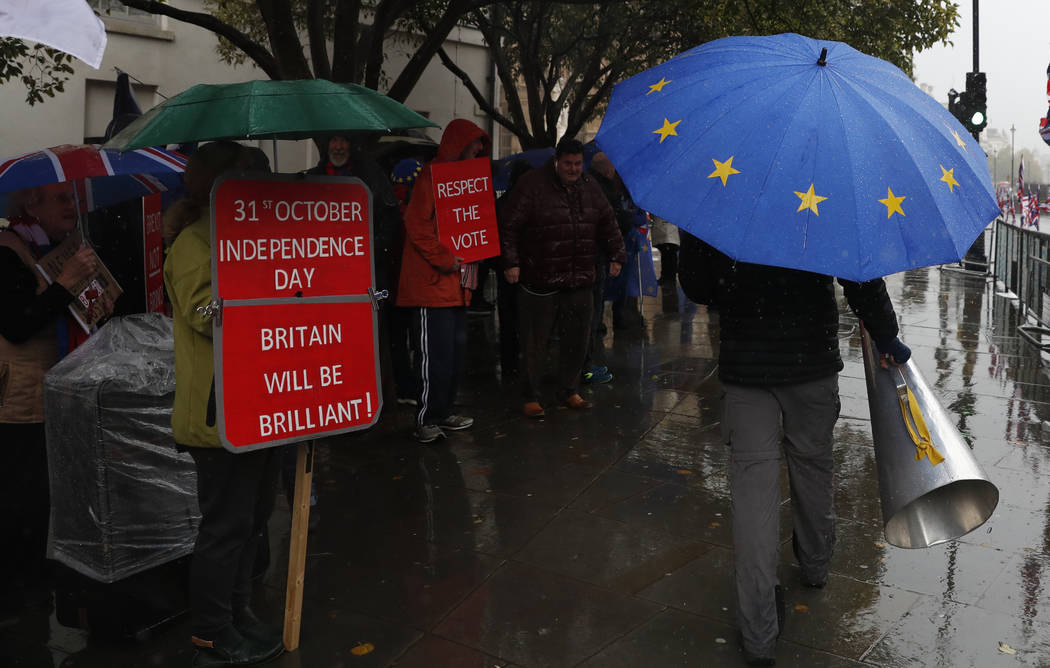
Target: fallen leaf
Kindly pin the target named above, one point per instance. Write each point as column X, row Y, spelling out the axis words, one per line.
column 363, row 648
column 684, row 472
column 397, row 477
column 481, row 471
column 801, row 608
column 1006, row 649
column 500, row 436
column 879, row 543
column 714, row 525
column 720, row 641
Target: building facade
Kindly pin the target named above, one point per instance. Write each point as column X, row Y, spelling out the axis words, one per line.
column 165, row 57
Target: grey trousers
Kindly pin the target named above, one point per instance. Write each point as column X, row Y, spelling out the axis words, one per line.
column 758, row 421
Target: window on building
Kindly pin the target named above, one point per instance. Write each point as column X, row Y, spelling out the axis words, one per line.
column 98, row 106
column 117, row 10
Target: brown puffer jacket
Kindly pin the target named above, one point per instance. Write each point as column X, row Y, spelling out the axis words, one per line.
column 553, row 232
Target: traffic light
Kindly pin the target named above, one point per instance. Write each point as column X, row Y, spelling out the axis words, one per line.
column 957, row 105
column 976, row 101
column 971, row 105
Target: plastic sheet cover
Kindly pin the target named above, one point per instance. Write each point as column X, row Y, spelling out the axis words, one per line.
column 123, row 499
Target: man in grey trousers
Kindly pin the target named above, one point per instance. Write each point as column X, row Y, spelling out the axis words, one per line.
column 778, row 363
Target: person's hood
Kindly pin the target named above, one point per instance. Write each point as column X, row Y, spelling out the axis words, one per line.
column 458, row 134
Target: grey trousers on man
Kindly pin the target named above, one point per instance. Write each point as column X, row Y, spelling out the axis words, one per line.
column 758, row 421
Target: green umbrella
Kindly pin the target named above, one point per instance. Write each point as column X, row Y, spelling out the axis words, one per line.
column 267, row 110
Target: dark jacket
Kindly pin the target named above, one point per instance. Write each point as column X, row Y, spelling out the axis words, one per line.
column 386, row 211
column 28, row 341
column 553, row 232
column 778, row 326
column 624, row 217
column 428, row 275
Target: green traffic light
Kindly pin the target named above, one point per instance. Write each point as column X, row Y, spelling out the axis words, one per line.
column 977, row 120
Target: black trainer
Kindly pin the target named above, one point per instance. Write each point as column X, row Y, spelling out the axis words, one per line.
column 229, row 648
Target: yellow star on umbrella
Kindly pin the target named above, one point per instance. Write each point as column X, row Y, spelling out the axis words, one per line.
column 959, row 140
column 893, row 203
column 810, row 200
column 949, row 178
column 667, row 130
column 658, row 87
column 723, row 170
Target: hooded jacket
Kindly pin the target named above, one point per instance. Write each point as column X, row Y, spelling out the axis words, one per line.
column 428, row 275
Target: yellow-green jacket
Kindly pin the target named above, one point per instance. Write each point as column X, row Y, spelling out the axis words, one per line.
column 187, row 276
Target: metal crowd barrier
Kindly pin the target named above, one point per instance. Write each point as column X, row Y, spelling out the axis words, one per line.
column 1022, row 263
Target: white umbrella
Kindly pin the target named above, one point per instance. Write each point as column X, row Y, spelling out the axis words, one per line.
column 67, row 25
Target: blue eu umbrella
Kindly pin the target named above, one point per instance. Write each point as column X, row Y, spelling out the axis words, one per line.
column 794, row 152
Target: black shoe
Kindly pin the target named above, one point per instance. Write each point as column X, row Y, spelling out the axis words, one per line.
column 229, row 648
column 253, row 628
column 811, row 583
column 752, row 659
column 480, row 308
column 757, row 660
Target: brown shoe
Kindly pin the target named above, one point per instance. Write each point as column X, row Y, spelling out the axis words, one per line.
column 533, row 409
column 577, row 402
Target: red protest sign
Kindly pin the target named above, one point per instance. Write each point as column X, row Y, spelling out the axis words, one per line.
column 466, row 208
column 288, row 238
column 295, row 343
column 152, row 252
column 296, row 371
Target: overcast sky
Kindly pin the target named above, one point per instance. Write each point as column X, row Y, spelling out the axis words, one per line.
column 1014, row 52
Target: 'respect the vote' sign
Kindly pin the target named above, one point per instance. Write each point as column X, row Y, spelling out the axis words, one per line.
column 295, row 344
column 466, row 208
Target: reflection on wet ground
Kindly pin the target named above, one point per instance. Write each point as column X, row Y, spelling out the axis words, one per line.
column 602, row 538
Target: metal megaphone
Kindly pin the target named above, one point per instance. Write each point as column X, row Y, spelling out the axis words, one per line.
column 932, row 488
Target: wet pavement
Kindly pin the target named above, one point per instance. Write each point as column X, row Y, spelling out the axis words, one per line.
column 602, row 538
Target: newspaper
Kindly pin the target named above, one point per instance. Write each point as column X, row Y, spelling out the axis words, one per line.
column 87, row 291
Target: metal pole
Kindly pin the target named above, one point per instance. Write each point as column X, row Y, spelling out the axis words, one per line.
column 976, row 40
column 1011, row 177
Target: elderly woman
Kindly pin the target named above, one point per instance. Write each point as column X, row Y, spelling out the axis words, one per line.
column 35, row 332
column 235, row 491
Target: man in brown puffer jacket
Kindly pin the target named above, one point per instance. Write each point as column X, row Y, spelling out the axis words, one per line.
column 556, row 220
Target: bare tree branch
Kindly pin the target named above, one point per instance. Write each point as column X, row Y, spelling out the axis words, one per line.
column 435, row 37
column 484, row 104
column 258, row 54
column 315, row 33
column 284, row 39
column 345, row 61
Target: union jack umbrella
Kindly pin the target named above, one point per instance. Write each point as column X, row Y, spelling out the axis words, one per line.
column 105, row 176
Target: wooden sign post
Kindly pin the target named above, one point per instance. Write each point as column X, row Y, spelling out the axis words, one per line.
column 296, row 354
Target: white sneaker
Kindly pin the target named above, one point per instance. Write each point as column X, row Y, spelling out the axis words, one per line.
column 456, row 422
